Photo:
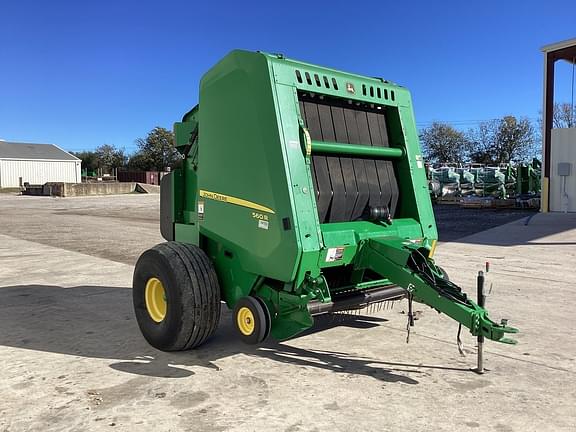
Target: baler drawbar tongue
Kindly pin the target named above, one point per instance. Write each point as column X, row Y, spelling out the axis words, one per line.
column 404, row 264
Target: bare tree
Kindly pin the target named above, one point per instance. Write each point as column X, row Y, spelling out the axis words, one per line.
column 443, row 143
column 564, row 116
column 504, row 140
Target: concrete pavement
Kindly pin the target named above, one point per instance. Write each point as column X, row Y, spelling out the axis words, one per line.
column 72, row 358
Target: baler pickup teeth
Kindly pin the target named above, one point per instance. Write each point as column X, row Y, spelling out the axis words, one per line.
column 358, row 301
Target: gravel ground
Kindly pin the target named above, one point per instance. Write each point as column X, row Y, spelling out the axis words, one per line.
column 90, row 225
column 117, row 227
column 454, row 222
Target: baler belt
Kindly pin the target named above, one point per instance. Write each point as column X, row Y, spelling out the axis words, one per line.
column 374, row 188
column 320, row 164
column 386, row 166
column 345, row 185
column 351, row 183
column 359, row 165
column 339, row 198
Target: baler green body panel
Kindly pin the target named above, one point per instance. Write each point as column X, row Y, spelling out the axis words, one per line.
column 291, row 172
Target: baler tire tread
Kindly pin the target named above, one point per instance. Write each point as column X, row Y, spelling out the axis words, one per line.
column 267, row 315
column 195, row 336
column 208, row 293
column 192, row 291
column 211, row 296
column 444, row 273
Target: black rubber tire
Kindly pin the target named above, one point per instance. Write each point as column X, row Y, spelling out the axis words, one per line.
column 192, row 296
column 268, row 316
column 444, row 273
column 261, row 320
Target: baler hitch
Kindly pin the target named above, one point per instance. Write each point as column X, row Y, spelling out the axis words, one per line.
column 405, row 264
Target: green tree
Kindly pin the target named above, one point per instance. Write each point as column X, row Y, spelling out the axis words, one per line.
column 504, row 140
column 110, row 157
column 89, row 159
column 156, row 151
column 442, row 143
column 139, row 162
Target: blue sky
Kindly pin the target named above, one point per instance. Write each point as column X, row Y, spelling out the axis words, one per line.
column 81, row 74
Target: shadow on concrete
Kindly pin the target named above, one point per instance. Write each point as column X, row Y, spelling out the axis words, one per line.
column 532, row 230
column 455, row 222
column 351, row 320
column 503, row 227
column 98, row 322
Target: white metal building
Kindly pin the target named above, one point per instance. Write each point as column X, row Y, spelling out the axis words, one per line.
column 36, row 164
column 559, row 144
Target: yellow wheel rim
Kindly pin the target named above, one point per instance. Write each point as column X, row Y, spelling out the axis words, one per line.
column 155, row 296
column 245, row 319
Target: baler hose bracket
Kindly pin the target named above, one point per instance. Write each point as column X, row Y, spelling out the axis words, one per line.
column 410, row 322
column 459, row 343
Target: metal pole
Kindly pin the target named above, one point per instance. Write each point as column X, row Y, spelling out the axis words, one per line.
column 572, row 123
column 481, row 303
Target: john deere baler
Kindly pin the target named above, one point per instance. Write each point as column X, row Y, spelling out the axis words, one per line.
column 302, row 191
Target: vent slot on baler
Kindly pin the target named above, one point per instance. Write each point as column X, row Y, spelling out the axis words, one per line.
column 346, row 187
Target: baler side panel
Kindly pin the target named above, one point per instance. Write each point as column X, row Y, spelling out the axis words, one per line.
column 185, row 181
column 305, row 215
column 411, row 171
column 242, row 175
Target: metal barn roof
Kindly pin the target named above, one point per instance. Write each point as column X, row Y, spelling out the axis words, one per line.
column 13, row 150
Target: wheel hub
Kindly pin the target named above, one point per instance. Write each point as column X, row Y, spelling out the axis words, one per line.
column 245, row 320
column 155, row 297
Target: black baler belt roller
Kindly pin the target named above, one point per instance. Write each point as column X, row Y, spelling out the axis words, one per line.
column 347, row 183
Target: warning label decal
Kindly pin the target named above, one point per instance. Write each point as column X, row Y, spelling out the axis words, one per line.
column 334, row 254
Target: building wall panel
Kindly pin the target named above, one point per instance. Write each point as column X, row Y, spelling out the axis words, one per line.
column 563, row 189
column 38, row 172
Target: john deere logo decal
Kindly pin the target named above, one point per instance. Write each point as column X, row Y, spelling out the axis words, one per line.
column 350, row 88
